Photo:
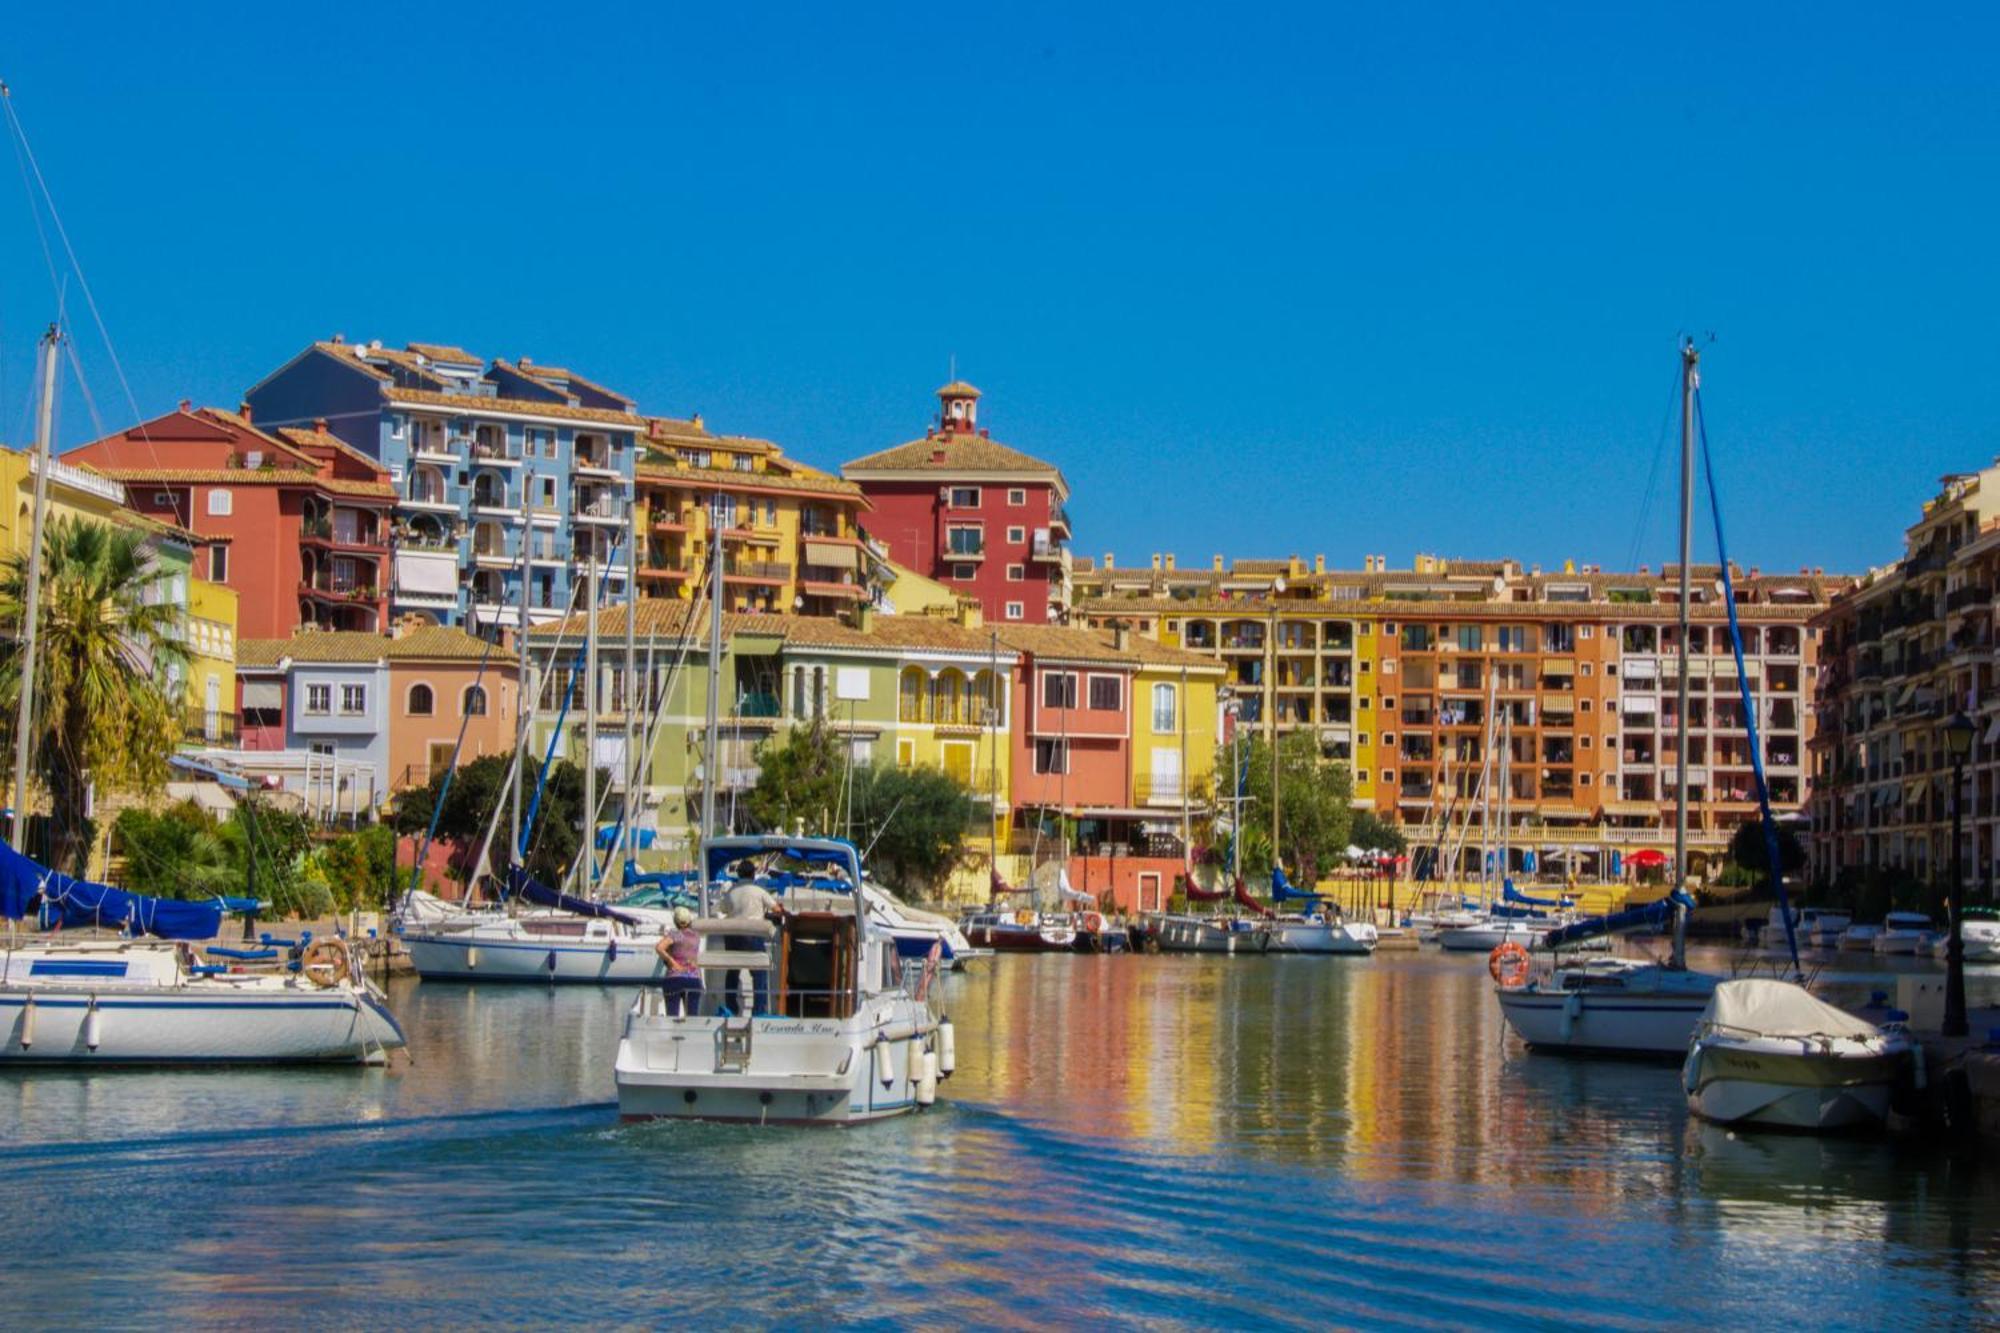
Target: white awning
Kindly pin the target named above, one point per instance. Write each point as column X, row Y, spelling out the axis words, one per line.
column 427, row 573
column 271, row 694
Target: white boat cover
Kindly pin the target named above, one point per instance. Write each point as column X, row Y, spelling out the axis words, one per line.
column 1774, row 1008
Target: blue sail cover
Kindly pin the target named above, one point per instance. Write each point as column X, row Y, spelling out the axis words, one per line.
column 1652, row 916
column 1509, row 893
column 1283, row 891
column 527, row 886
column 79, row 903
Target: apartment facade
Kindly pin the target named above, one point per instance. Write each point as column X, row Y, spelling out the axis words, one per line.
column 1907, row 650
column 495, row 467
column 1567, row 680
column 984, row 519
column 791, row 535
column 295, row 524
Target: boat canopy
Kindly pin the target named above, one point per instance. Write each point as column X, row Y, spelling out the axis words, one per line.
column 1651, row 916
column 80, row 903
column 721, row 853
column 1283, row 890
column 1767, row 1007
column 527, row 886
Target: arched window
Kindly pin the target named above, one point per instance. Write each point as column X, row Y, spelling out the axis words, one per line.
column 911, row 695
column 948, row 697
column 475, row 701
column 421, row 700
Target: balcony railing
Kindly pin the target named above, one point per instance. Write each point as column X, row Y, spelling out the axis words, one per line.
column 209, row 727
column 758, row 571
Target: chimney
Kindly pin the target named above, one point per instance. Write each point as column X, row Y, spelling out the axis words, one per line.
column 404, row 624
column 937, row 455
column 319, row 423
column 1319, row 564
column 1156, row 562
column 1645, row 569
column 524, row 361
column 1121, row 636
column 1218, row 564
column 1754, row 571
column 243, row 408
column 1170, row 563
column 970, row 614
column 864, row 617
column 339, row 339
column 1109, row 563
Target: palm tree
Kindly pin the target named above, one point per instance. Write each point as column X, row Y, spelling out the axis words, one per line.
column 109, row 644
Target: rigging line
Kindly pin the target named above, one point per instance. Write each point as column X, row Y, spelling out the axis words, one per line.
column 26, row 150
column 1653, row 475
column 83, row 387
column 28, row 186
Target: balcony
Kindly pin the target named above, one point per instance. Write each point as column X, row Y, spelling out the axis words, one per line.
column 324, row 531
column 495, row 453
column 341, row 591
column 205, row 726
column 964, row 552
column 1046, row 548
column 757, row 571
column 667, row 571
column 604, row 510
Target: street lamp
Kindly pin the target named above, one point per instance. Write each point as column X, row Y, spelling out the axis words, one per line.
column 1958, row 735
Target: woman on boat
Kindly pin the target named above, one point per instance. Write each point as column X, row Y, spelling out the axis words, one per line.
column 677, row 950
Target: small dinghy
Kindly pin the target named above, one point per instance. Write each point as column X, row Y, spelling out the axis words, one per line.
column 1769, row 1053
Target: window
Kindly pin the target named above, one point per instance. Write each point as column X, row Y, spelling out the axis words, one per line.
column 1588, row 669
column 221, row 502
column 1017, row 497
column 1017, row 573
column 421, row 701
column 1016, row 536
column 353, row 699
column 397, row 428
column 218, row 564
column 1469, row 640
column 475, row 701
column 1388, row 738
column 965, row 497
column 1583, row 631
column 1583, row 780
column 1164, row 709
column 1058, row 689
column 323, row 749
column 1015, row 611
column 1586, row 705
column 319, row 699
column 965, row 539
column 1052, row 756
column 965, row 573
column 906, row 754
column 1361, row 739
column 1586, row 742
column 1107, row 693
column 548, row 493
column 542, row 440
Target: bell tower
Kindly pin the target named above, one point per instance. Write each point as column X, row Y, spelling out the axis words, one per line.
column 958, row 409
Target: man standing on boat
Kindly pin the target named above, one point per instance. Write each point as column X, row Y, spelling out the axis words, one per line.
column 747, row 900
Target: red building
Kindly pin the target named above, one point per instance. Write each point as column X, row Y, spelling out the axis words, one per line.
column 298, row 522
column 960, row 507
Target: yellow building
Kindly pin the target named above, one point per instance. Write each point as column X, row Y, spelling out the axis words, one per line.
column 793, row 538
column 1174, row 733
column 73, row 492
column 211, row 645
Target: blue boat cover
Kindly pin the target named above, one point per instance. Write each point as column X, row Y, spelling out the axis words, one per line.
column 720, row 858
column 77, row 902
column 1652, row 915
column 527, row 886
column 640, row 839
column 1508, row 893
column 1284, row 891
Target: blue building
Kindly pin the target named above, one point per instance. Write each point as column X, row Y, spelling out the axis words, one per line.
column 484, row 457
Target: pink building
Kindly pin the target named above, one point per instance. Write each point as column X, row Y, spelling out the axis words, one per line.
column 983, row 519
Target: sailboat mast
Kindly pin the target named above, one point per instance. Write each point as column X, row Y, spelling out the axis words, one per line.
column 628, row 835
column 711, row 759
column 524, row 698
column 992, row 721
column 1690, row 358
column 25, row 716
column 590, row 721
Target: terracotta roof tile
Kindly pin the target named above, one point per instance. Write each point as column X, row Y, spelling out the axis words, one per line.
column 659, row 617
column 919, row 633
column 675, row 474
column 445, row 352
column 961, row 451
column 473, row 403
column 540, row 372
column 303, row 438
column 432, row 643
column 1075, row 644
column 250, row 476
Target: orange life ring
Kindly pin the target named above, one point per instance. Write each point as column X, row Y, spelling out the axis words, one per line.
column 1510, row 965
column 1024, row 918
column 1092, row 922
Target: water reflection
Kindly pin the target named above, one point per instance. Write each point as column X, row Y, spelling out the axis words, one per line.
column 1182, row 1141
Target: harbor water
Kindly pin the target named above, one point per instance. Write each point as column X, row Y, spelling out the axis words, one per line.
column 1174, row 1141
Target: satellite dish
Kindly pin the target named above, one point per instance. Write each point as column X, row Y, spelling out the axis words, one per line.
column 1278, row 584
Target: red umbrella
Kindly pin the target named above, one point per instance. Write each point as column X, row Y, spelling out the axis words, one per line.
column 1646, row 858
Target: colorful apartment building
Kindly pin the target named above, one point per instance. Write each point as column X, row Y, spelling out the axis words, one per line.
column 382, row 713
column 1410, row 676
column 294, row 522
column 791, row 535
column 1905, row 651
column 493, row 466
column 984, row 519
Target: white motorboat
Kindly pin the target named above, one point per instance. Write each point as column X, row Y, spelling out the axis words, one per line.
column 1905, row 933
column 1814, row 927
column 1614, row 1006
column 1183, row 932
column 1487, row 935
column 1770, row 1053
column 128, row 1002
column 1320, row 934
column 1859, row 938
column 853, row 1032
column 914, row 930
column 1978, row 935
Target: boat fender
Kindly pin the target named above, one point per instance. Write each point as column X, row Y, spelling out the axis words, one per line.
column 472, row 956
column 897, row 1032
column 325, row 963
column 550, row 964
column 885, row 1068
column 927, row 1077
column 93, row 1026
column 1572, row 1010
column 611, row 952
column 1509, row 963
column 28, row 1024
column 947, row 1049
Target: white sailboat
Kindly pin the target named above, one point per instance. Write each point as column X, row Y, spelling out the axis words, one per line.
column 1625, row 1006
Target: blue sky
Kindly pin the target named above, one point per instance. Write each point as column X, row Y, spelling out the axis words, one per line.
column 1292, row 281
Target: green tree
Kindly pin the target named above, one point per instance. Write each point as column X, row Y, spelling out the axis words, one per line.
column 478, row 790
column 1747, row 850
column 359, row 867
column 912, row 822
column 1315, row 805
column 107, row 639
column 178, row 852
column 799, row 777
column 1372, row 833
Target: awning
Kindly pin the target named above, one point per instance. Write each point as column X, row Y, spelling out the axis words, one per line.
column 832, row 555
column 1646, row 809
column 427, row 573
column 1640, row 703
column 1560, row 703
column 271, row 694
column 1559, row 666
column 1562, row 812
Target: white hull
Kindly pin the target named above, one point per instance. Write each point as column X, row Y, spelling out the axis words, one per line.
column 1904, row 942
column 1322, row 937
column 1980, row 939
column 1610, row 1007
column 1735, row 1081
column 1190, row 934
column 511, row 949
column 1490, row 935
column 816, row 1071
column 151, row 1013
